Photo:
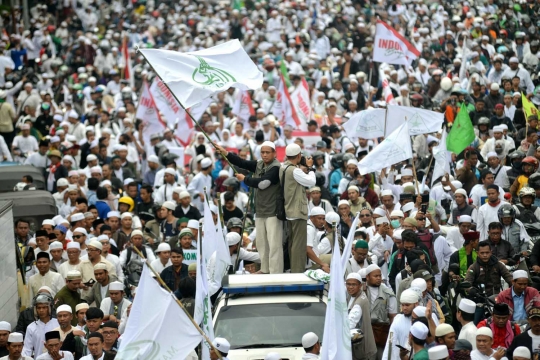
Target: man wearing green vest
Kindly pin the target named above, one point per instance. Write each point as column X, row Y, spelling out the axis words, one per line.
column 466, row 256
column 296, row 178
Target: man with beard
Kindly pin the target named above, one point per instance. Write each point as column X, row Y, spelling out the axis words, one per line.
column 358, row 313
column 360, row 258
column 382, row 301
column 401, row 324
column 445, row 335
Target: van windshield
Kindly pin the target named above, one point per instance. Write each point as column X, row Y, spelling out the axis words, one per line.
column 269, row 325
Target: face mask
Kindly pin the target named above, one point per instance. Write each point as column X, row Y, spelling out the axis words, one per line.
column 498, row 151
column 395, row 224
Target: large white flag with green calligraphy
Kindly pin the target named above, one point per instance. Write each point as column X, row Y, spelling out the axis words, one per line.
column 195, row 76
column 152, row 330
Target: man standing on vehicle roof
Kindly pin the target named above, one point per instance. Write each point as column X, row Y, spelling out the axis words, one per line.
column 311, row 345
column 265, row 181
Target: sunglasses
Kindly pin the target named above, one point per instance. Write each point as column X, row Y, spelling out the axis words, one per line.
column 77, row 236
column 365, row 215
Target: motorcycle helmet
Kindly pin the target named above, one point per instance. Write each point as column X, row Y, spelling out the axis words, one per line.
column 529, row 160
column 534, row 181
column 347, row 157
column 233, row 223
column 42, row 298
column 128, row 201
column 506, row 210
column 483, row 121
column 337, row 161
column 233, row 182
column 516, row 158
column 317, row 155
column 527, row 191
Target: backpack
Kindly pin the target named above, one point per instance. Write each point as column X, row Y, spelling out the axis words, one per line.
column 280, row 199
column 526, row 216
column 427, row 239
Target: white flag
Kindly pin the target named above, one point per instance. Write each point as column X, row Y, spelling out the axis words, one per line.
column 442, row 159
column 152, row 329
column 147, row 111
column 203, row 311
column 421, row 121
column 194, row 76
column 215, row 251
column 391, row 47
column 367, row 124
column 348, row 246
column 394, row 149
column 337, row 336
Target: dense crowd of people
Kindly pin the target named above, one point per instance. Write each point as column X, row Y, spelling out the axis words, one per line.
column 441, row 268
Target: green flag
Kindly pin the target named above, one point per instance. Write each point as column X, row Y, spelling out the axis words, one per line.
column 462, row 133
column 237, row 4
column 285, row 73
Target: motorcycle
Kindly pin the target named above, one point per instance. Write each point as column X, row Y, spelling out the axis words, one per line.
column 533, row 230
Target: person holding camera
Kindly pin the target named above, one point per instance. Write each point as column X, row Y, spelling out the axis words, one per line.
column 296, row 174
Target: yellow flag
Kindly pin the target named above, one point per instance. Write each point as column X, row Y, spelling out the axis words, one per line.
column 528, row 106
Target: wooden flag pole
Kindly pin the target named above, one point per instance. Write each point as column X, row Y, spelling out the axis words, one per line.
column 162, row 283
column 187, row 112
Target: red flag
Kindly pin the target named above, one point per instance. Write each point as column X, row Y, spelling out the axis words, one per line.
column 126, row 59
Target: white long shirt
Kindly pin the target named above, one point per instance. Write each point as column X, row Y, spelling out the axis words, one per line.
column 400, row 329
column 468, row 332
column 477, row 355
column 26, row 144
column 479, row 191
column 165, row 193
column 51, row 279
column 158, row 265
column 35, row 336
column 66, row 356
column 196, row 187
column 486, row 215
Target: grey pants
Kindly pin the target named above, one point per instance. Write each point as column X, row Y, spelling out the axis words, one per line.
column 269, row 243
column 296, row 242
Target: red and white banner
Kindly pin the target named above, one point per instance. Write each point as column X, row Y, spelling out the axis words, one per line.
column 302, row 104
column 243, row 108
column 174, row 114
column 391, row 47
column 126, row 60
column 148, row 112
column 284, row 110
column 387, row 92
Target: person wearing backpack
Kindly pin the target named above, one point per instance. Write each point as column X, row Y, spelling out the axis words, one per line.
column 438, row 249
column 503, row 329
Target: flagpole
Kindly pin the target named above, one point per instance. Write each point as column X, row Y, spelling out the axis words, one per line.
column 220, row 211
column 162, row 283
column 187, row 112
